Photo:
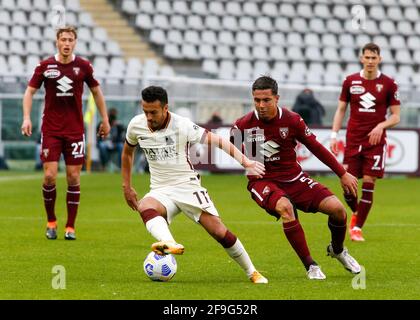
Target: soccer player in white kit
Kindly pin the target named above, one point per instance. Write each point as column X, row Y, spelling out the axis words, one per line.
column 165, row 139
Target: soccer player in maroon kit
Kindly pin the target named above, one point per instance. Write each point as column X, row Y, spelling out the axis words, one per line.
column 371, row 95
column 273, row 133
column 63, row 76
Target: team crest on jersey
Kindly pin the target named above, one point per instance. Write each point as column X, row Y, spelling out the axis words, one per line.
column 266, row 190
column 45, row 152
column 357, row 89
column 284, row 132
column 379, row 87
column 76, row 71
column 52, row 73
column 169, row 140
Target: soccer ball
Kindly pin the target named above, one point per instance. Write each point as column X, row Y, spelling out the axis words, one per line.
column 160, row 268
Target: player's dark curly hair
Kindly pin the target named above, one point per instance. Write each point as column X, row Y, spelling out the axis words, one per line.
column 153, row 93
column 264, row 83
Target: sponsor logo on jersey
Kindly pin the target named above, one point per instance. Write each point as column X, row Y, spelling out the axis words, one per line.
column 357, row 89
column 50, row 66
column 255, row 138
column 76, row 71
column 284, row 132
column 52, row 73
column 160, row 154
column 252, row 129
column 367, row 101
column 379, row 87
column 356, row 82
column 269, row 149
column 64, row 86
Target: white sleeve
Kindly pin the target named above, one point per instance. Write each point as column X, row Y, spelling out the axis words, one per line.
column 194, row 132
column 130, row 136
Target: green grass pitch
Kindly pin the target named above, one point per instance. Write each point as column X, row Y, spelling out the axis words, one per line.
column 105, row 262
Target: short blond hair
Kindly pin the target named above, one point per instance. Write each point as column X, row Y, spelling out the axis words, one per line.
column 69, row 29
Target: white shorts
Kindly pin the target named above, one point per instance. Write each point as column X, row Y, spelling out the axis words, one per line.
column 190, row 198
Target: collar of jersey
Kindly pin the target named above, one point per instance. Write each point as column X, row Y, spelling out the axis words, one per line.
column 377, row 76
column 73, row 57
column 280, row 113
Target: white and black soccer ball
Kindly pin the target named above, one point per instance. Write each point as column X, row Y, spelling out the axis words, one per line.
column 160, row 268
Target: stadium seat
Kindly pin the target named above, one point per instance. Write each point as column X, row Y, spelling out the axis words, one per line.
column 322, row 11
column 243, row 38
column 216, row 8
column 277, row 53
column 189, row 51
column 313, row 54
column 312, row 39
column 199, row 8
column 5, row 32
column 206, row 51
column 317, row 25
column 264, row 24
column 242, row 52
column 282, row 24
column 175, row 36
column 192, row 36
column 260, row 38
column 178, row 21
column 172, row 51
column 195, row 22
column 161, row 21
column 251, row 9
column 180, row 7
column 234, row 8
column 146, row 6
column 209, row 37
column 295, row 39
column 144, row 21
column 226, row 37
column 304, row 10
column 269, row 9
column 163, row 6
column 260, row 53
column 210, row 67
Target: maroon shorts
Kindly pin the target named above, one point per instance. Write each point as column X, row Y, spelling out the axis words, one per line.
column 72, row 147
column 305, row 193
column 363, row 160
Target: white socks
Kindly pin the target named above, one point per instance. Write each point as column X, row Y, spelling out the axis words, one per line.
column 159, row 229
column 238, row 253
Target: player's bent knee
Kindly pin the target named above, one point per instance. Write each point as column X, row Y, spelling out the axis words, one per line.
column 285, row 208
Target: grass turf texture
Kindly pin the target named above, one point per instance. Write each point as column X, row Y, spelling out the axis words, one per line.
column 105, row 262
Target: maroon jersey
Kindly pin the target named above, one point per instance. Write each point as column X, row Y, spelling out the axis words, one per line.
column 63, row 84
column 369, row 101
column 276, row 141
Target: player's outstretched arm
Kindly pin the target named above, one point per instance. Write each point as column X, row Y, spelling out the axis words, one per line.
column 349, row 184
column 375, row 135
column 98, row 96
column 130, row 193
column 26, row 127
column 252, row 168
column 337, row 122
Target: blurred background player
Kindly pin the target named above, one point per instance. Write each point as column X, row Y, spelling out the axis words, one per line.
column 275, row 131
column 175, row 186
column 113, row 143
column 371, row 95
column 309, row 108
column 63, row 76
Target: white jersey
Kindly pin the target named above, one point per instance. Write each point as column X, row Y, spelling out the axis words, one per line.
column 166, row 150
